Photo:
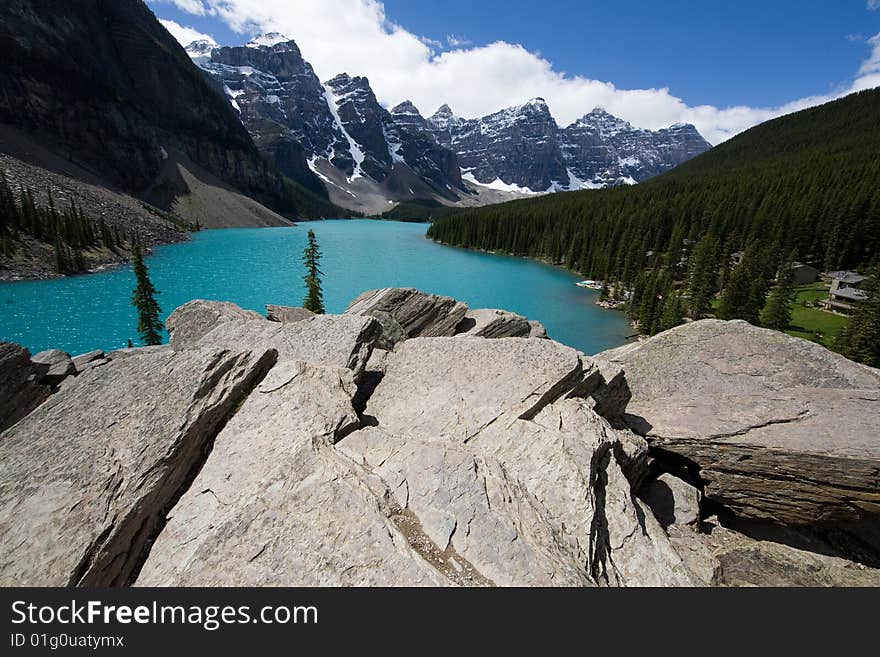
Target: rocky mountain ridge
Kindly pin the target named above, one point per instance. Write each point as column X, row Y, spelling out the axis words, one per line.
column 302, row 452
column 337, row 129
column 522, row 148
column 347, row 135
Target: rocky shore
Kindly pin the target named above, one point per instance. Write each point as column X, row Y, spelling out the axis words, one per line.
column 414, row 441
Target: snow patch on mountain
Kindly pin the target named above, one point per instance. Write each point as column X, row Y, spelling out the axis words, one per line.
column 356, row 151
column 267, row 40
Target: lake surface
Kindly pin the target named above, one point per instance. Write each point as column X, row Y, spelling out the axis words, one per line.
column 253, row 267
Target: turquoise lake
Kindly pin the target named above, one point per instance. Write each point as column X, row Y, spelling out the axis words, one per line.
column 253, row 267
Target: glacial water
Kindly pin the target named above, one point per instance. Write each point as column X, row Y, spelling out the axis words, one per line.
column 253, row 267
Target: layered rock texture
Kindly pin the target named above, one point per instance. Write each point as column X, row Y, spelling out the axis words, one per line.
column 327, row 451
column 781, row 430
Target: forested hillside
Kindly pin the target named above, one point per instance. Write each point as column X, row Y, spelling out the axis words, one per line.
column 802, row 187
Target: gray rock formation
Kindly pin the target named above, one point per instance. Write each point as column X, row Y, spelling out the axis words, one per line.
column 87, row 478
column 673, row 501
column 277, row 505
column 490, row 323
column 189, row 323
column 511, row 402
column 338, row 341
column 287, row 314
column 781, row 429
column 419, row 314
column 20, row 392
column 83, row 361
column 718, row 556
column 56, row 365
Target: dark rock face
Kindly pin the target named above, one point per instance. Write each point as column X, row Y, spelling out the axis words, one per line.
column 281, row 102
column 517, row 145
column 523, row 146
column 104, row 85
column 20, row 392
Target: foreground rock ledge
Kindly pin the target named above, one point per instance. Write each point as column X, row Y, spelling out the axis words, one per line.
column 781, row 429
column 324, row 452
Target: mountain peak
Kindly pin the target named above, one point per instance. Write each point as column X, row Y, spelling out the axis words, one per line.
column 268, row 40
column 406, row 107
column 201, row 48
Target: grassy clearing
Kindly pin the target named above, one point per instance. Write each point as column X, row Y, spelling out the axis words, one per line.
column 814, row 323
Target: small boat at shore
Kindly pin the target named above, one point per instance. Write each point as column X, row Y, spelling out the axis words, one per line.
column 591, row 285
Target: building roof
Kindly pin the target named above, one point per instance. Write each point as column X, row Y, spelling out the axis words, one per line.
column 850, row 293
column 849, row 277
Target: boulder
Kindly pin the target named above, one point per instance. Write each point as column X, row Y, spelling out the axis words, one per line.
column 673, row 501
column 191, row 321
column 287, row 314
column 82, row 361
column 20, row 392
column 333, row 340
column 57, row 364
column 392, row 331
column 418, row 313
column 537, row 330
column 87, row 478
column 490, row 323
column 472, row 511
column 781, row 429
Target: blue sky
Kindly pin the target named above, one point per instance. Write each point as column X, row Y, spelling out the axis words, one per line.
column 700, row 58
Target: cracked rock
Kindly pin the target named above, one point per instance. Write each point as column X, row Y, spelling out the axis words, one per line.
column 781, row 429
column 418, row 314
column 276, row 504
column 86, row 479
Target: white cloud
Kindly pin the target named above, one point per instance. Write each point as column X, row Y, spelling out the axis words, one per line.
column 194, row 7
column 457, row 42
column 355, row 36
column 872, row 64
column 184, row 35
column 873, row 4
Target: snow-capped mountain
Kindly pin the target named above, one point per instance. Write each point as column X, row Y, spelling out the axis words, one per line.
column 368, row 157
column 601, row 150
column 522, row 149
column 337, row 128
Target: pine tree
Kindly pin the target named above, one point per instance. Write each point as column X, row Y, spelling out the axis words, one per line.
column 702, row 276
column 143, row 298
column 673, row 312
column 314, row 300
column 860, row 340
column 745, row 294
column 777, row 313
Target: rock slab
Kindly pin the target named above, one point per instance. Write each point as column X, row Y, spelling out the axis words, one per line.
column 86, row 479
column 781, row 429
